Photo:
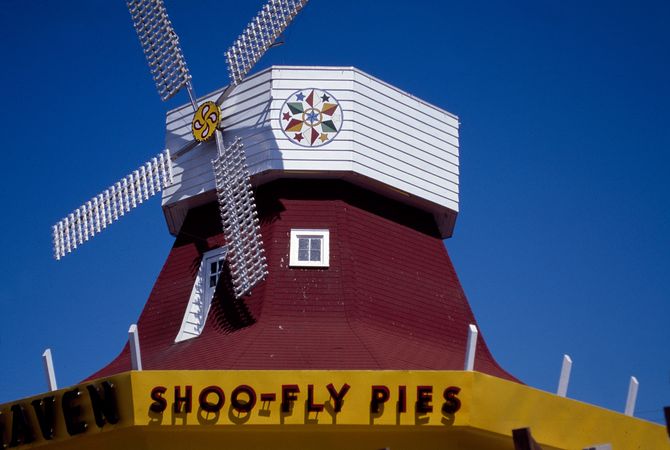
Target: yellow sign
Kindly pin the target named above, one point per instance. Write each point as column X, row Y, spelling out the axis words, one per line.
column 300, row 397
column 205, row 121
column 82, row 411
column 357, row 410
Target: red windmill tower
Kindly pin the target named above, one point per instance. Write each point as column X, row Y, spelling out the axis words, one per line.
column 356, row 187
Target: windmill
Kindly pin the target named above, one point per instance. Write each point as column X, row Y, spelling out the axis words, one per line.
column 234, row 193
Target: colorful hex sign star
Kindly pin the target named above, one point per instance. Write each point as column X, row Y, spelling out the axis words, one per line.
column 311, row 117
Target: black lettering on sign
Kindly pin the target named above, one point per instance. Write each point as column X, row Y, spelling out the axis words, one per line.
column 22, row 432
column 159, row 404
column 380, row 395
column 45, row 411
column 338, row 397
column 424, row 396
column 72, row 412
column 235, row 400
column 402, row 399
column 288, row 396
column 268, row 397
column 186, row 399
column 451, row 402
column 105, row 407
column 211, row 407
column 311, row 406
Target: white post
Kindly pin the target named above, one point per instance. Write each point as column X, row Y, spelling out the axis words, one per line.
column 632, row 396
column 134, row 342
column 565, row 376
column 49, row 371
column 471, row 347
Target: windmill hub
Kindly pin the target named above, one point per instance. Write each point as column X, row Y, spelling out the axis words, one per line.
column 205, row 120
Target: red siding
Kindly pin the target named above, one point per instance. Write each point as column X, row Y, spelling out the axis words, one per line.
column 389, row 300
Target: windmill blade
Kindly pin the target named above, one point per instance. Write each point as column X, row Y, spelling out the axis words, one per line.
column 161, row 47
column 259, row 35
column 107, row 207
column 246, row 255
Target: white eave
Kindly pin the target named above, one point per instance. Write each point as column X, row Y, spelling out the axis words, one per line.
column 389, row 141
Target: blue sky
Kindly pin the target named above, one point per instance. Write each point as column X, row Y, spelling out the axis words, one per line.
column 562, row 243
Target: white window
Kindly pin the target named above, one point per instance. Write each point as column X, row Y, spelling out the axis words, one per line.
column 309, row 248
column 202, row 293
column 215, row 264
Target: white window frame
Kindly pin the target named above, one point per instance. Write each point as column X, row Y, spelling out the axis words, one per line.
column 200, row 301
column 324, row 235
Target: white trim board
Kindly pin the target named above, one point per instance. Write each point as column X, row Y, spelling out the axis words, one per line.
column 200, row 301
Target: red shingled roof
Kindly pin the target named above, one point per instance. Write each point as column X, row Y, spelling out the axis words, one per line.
column 389, row 300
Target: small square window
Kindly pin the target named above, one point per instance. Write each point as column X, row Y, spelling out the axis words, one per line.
column 309, row 248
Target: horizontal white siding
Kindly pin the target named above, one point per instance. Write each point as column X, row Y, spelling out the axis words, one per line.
column 387, row 135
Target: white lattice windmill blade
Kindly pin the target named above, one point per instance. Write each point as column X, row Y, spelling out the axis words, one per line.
column 111, row 204
column 260, row 34
column 241, row 229
column 161, row 47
